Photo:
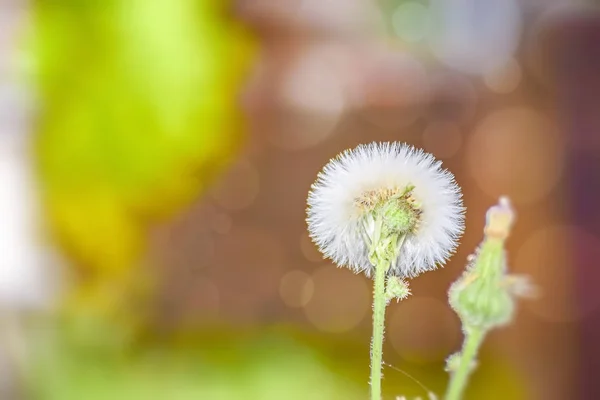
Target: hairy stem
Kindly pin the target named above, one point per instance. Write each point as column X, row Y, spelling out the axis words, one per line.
column 459, row 378
column 379, row 303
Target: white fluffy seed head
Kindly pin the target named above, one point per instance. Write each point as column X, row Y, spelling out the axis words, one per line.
column 336, row 222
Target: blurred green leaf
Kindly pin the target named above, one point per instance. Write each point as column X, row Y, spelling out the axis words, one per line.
column 138, row 112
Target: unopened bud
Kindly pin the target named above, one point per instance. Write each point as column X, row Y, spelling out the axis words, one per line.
column 499, row 220
column 482, row 297
column 396, row 288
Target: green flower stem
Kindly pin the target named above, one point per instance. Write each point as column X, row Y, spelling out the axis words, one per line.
column 379, row 303
column 459, row 379
column 481, row 297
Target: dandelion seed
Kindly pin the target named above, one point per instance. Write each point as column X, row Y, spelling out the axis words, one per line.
column 418, row 200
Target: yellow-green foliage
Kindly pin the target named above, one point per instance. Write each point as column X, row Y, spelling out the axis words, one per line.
column 137, row 112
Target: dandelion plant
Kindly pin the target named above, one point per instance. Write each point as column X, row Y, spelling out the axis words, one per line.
column 390, row 211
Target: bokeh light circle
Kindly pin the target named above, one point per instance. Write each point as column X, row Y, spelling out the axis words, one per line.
column 423, row 329
column 309, row 249
column 332, row 17
column 392, row 89
column 296, row 288
column 505, row 78
column 314, row 96
column 472, row 38
column 411, row 21
column 338, row 16
column 516, row 152
column 313, row 85
column 340, row 301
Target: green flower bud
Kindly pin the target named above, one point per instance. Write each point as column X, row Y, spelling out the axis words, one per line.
column 396, row 288
column 400, row 213
column 483, row 297
column 479, row 297
column 399, row 217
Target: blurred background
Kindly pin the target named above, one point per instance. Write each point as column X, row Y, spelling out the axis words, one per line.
column 155, row 158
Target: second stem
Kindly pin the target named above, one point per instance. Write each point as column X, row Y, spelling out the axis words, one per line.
column 459, row 379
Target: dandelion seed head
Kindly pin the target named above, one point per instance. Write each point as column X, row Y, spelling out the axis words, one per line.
column 417, row 197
